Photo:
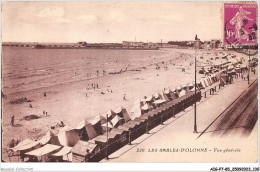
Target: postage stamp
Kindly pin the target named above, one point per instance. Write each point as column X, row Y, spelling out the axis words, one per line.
column 240, row 24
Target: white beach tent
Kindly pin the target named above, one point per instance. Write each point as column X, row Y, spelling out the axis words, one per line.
column 182, row 93
column 116, row 121
column 179, row 88
column 149, row 98
column 68, row 136
column 135, row 110
column 167, row 91
column 25, row 145
column 50, row 138
column 122, row 112
column 172, row 93
column 163, row 96
column 156, row 96
column 145, row 107
column 65, row 153
column 46, row 138
column 43, row 152
column 84, row 124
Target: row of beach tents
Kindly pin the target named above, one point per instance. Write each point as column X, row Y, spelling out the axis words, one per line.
column 88, row 133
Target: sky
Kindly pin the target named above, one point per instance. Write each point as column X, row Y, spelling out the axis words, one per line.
column 110, row 21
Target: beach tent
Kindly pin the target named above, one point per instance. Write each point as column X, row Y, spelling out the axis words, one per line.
column 182, row 93
column 68, row 136
column 179, row 88
column 121, row 112
column 26, row 144
column 125, row 115
column 107, row 126
column 167, row 93
column 135, row 110
column 117, row 120
column 96, row 122
column 110, row 114
column 173, row 93
column 50, row 138
column 42, row 153
column 148, row 99
column 156, row 96
column 145, row 107
column 85, row 130
column 79, row 150
column 163, row 96
column 63, row 154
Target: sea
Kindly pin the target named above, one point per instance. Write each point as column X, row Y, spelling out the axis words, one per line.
column 25, row 68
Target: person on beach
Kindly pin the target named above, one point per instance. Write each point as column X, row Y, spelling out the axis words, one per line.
column 97, row 86
column 124, row 98
column 62, row 124
column 12, row 120
column 45, row 94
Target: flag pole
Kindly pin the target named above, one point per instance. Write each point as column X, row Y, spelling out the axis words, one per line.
column 195, row 106
column 107, row 141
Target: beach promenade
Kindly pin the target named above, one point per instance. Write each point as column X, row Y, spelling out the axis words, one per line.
column 179, row 142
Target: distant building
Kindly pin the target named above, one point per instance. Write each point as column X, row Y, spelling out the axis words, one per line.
column 206, row 45
column 129, row 44
column 197, row 44
column 214, row 43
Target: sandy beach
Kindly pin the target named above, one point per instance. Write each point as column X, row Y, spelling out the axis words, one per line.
column 71, row 101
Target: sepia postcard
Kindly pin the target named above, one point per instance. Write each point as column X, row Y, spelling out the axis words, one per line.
column 137, row 82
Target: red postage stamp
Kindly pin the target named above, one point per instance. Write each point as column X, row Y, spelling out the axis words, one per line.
column 240, row 23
